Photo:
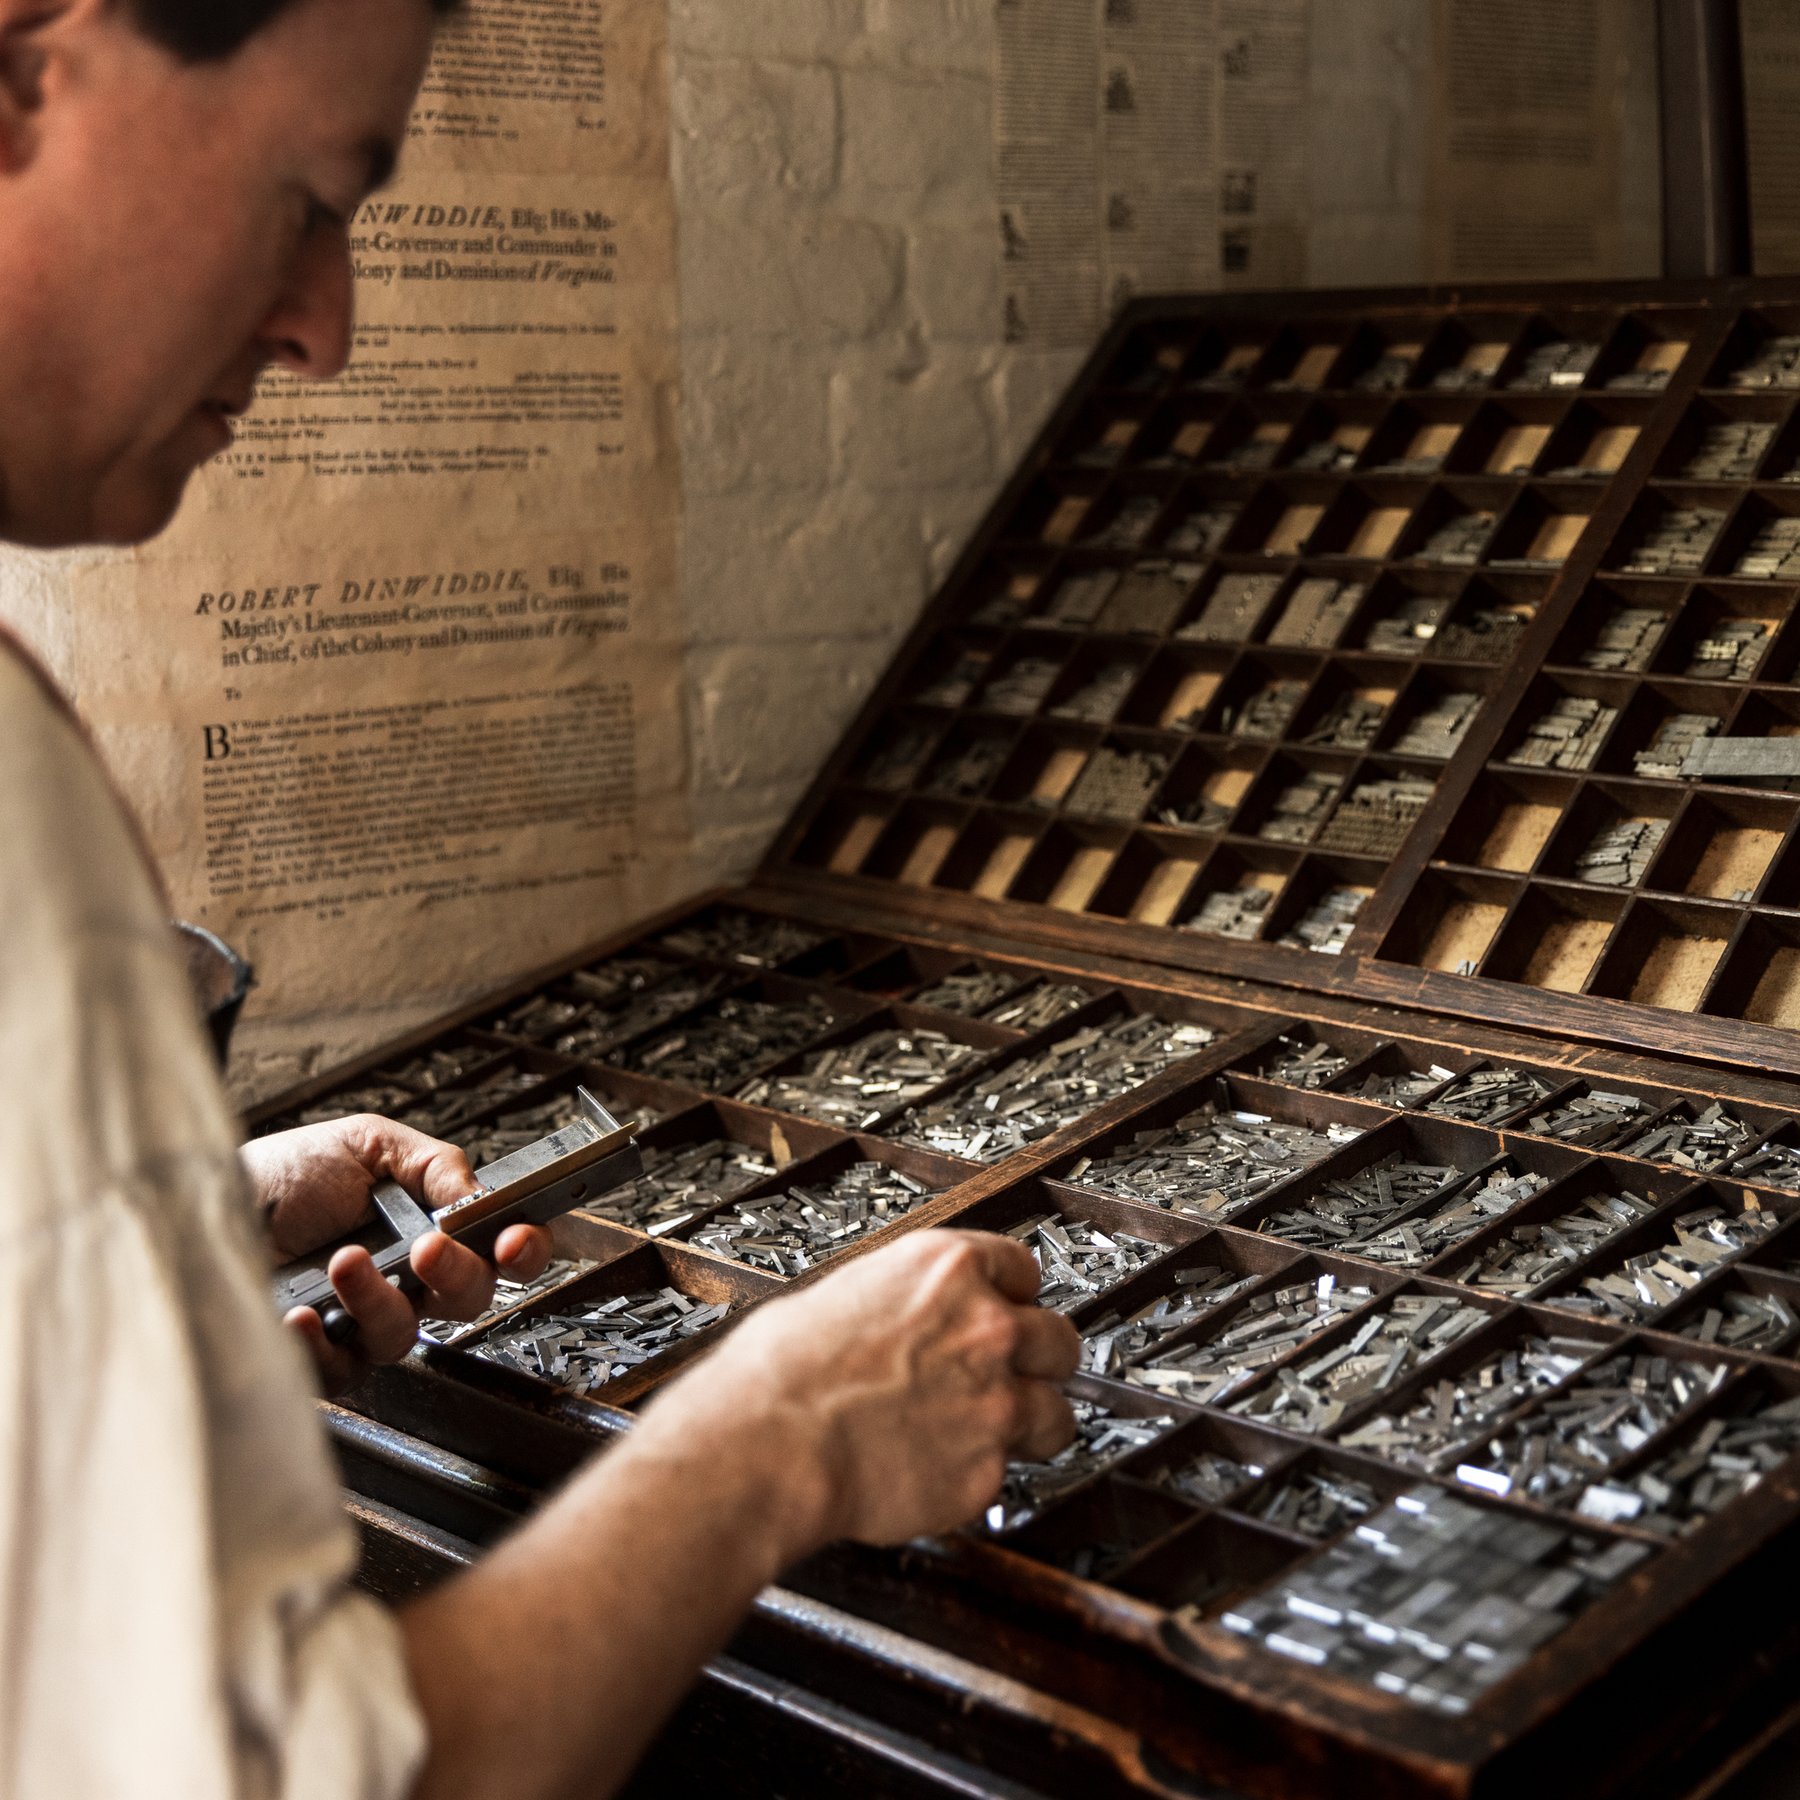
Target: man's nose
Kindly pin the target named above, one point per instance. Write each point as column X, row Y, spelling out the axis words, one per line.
column 309, row 331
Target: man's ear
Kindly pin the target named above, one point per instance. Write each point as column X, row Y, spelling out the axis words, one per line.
column 26, row 29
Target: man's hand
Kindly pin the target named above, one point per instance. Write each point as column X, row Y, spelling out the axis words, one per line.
column 314, row 1184
column 893, row 1393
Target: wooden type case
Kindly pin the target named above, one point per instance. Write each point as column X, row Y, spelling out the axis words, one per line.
column 1233, row 717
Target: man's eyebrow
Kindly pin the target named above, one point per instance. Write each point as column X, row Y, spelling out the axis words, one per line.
column 380, row 159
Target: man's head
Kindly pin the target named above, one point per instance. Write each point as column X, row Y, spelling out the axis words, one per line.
column 177, row 180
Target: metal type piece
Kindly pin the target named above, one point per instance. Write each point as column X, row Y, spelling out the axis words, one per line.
column 1303, row 1065
column 1432, row 1600
column 730, row 1041
column 584, row 1347
column 1591, row 1120
column 1563, row 364
column 1265, row 713
column 1078, row 1260
column 1101, row 1438
column 1118, row 784
column 1020, row 687
column 1438, row 731
column 796, row 1230
column 1326, row 925
column 1317, row 612
column 1350, row 723
column 1318, row 1505
column 1232, row 609
column 1667, row 754
column 1301, row 808
column 1359, row 1206
column 1742, row 759
column 1619, row 854
column 1773, row 1164
column 1568, row 736
column 1407, row 1088
column 742, row 937
column 1231, row 912
column 1711, row 1466
column 1486, row 1096
column 1204, row 531
column 1677, row 543
column 969, row 993
column 1713, row 1139
column 1209, row 1479
column 1376, row 816
column 1026, row 1100
column 682, row 1181
column 1211, row 1163
column 1101, row 695
column 853, row 1085
column 1522, row 1260
column 600, row 1025
column 1741, row 1320
column 1115, row 1339
column 1437, row 1430
column 1409, row 630
column 1460, row 540
column 1729, row 451
column 1204, row 1370
column 1647, row 1284
column 532, row 1186
column 1418, row 1237
column 1559, row 1453
column 1730, row 651
column 1626, row 641
column 1041, row 1004
column 1312, row 1396
column 964, row 768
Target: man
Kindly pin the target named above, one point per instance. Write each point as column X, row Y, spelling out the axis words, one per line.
column 175, row 182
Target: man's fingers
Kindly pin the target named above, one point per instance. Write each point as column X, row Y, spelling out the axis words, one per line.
column 383, row 1315
column 1049, row 1346
column 524, row 1252
column 339, row 1368
column 1046, row 1423
column 424, row 1166
column 461, row 1284
column 1007, row 1264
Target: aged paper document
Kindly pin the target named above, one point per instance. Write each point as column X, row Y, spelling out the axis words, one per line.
column 1523, row 177
column 399, row 695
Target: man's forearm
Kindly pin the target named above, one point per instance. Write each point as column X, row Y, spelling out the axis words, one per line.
column 549, row 1667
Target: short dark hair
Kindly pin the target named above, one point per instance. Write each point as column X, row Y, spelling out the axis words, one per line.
column 210, row 30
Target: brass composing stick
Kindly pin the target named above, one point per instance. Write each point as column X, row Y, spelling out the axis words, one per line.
column 591, row 1155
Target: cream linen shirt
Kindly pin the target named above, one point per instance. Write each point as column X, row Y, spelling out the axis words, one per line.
column 175, row 1618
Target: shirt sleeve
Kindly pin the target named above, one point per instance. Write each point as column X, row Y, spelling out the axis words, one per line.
column 176, row 1614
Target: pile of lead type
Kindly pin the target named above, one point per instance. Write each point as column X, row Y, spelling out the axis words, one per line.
column 1208, row 1479
column 1770, row 1165
column 1231, row 912
column 1568, row 736
column 1459, row 541
column 1675, row 737
column 1041, row 1004
column 1149, row 597
column 1101, row 695
column 1300, row 808
column 1312, row 1396
column 581, row 995
column 1589, row 1120
column 507, row 1295
column 1111, row 1341
column 1296, row 1063
column 791, row 1232
column 604, row 1025
column 853, row 1085
column 1743, row 1320
column 724, row 1045
column 1775, row 364
column 1352, row 1208
column 433, row 1069
column 742, row 937
column 1619, row 854
column 1677, row 543
column 1040, row 1092
column 1377, row 815
column 1730, row 651
column 1704, row 1241
column 1449, row 1415
column 1350, row 723
column 1267, row 1326
column 1326, row 926
column 1439, row 729
column 1625, row 641
column 1101, row 1438
column 1723, row 1459
column 1020, row 687
column 969, row 992
column 1077, row 1259
column 1118, row 784
column 1774, row 552
column 1556, row 365
column 441, row 1113
column 1232, row 609
column 1318, row 1504
column 1317, row 612
column 1411, row 1240
column 1266, row 713
column 585, row 1346
column 1405, row 1087
column 1210, row 1163
column 1559, row 1452
column 966, row 766
column 1522, row 1260
column 1729, row 451
column 1432, row 1600
column 1203, row 531
column 682, row 1181
column 1712, row 1139
column 1409, row 628
column 1486, row 1096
